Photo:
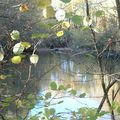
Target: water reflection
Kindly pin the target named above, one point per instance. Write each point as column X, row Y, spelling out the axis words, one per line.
column 77, row 72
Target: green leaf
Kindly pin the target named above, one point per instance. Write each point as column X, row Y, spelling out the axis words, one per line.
column 47, row 112
column 39, row 35
column 77, row 19
column 30, row 96
column 5, row 104
column 52, row 111
column 15, row 35
column 114, row 105
column 48, row 95
column 26, row 45
column 102, row 113
column 53, row 86
column 40, row 98
column 73, row 92
column 60, row 102
column 99, row 13
column 82, row 95
column 66, row 1
column 61, row 87
column 118, row 109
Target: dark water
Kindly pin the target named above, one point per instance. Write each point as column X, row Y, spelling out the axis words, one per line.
column 81, row 73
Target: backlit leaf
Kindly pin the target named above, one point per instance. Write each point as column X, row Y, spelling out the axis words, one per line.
column 48, row 12
column 60, row 15
column 1, row 56
column 60, row 33
column 3, row 77
column 26, row 45
column 18, row 48
column 15, row 35
column 44, row 3
column 16, row 59
column 34, row 58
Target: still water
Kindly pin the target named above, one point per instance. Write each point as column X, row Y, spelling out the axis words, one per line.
column 80, row 72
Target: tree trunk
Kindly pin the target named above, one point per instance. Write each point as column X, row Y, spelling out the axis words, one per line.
column 118, row 11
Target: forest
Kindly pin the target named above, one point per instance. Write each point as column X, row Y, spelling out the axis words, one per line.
column 59, row 59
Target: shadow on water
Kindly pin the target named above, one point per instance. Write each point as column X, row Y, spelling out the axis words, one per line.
column 81, row 73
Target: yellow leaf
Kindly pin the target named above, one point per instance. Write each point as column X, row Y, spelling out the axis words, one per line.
column 60, row 33
column 18, row 103
column 65, row 24
column 44, row 3
column 1, row 56
column 16, row 59
column 48, row 12
column 3, row 77
column 26, row 45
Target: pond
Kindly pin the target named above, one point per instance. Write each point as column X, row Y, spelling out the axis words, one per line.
column 79, row 72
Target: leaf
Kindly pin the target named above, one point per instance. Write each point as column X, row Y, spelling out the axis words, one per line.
column 23, row 8
column 18, row 103
column 73, row 92
column 66, row 1
column 99, row 13
column 18, row 48
column 44, row 3
column 26, row 45
column 60, row 33
column 102, row 113
column 15, row 35
column 47, row 112
column 61, row 87
column 40, row 98
column 114, row 105
column 60, row 15
column 77, row 19
column 1, row 56
column 39, row 35
column 3, row 77
column 5, row 104
column 48, row 12
column 82, row 95
column 53, row 86
column 87, row 21
column 48, row 95
column 118, row 109
column 34, row 58
column 16, row 59
column 52, row 111
column 30, row 96
column 65, row 24
column 60, row 102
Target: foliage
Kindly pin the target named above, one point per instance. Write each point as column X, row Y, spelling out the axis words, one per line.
column 72, row 23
